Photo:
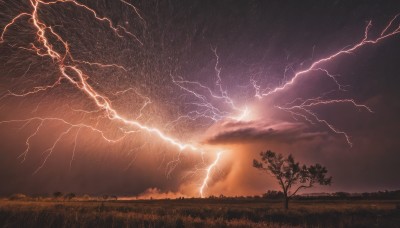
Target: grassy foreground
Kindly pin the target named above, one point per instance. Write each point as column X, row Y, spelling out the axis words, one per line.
column 200, row 213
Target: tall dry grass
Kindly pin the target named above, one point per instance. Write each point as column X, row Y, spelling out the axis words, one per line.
column 198, row 213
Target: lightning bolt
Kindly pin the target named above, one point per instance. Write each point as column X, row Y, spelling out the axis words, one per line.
column 208, row 171
column 81, row 83
column 76, row 77
column 303, row 110
column 205, row 104
column 314, row 66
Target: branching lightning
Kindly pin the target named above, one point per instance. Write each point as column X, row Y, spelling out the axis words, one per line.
column 303, row 109
column 101, row 101
column 206, row 98
column 209, row 169
column 314, row 66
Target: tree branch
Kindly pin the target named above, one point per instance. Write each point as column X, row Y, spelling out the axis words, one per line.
column 300, row 187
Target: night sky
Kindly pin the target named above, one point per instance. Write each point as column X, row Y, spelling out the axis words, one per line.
column 213, row 75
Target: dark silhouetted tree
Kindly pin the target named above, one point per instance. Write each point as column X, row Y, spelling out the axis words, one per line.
column 289, row 173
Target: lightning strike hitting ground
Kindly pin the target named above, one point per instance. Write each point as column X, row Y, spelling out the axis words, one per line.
column 209, row 169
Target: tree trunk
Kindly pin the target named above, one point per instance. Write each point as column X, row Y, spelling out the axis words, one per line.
column 286, row 205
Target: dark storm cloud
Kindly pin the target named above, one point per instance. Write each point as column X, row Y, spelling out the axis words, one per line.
column 250, row 132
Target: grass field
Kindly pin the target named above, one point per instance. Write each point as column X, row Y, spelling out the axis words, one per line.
column 200, row 213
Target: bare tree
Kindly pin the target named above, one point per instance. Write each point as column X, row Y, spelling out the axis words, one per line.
column 289, row 173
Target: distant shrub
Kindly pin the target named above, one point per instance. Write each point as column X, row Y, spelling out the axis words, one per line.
column 17, row 196
column 86, row 197
column 70, row 196
column 57, row 194
column 342, row 195
column 273, row 195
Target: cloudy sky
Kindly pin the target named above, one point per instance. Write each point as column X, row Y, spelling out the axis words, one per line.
column 143, row 78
